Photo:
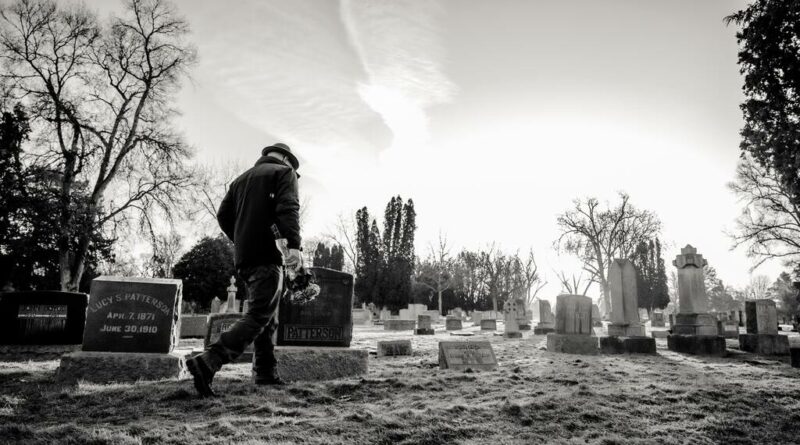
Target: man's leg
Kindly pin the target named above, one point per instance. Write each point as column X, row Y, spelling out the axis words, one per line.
column 264, row 284
column 265, row 366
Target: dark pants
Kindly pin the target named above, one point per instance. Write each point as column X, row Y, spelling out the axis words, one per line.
column 258, row 326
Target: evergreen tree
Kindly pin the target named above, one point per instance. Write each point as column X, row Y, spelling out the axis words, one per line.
column 206, row 270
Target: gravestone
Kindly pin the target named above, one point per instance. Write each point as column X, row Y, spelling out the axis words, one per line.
column 547, row 321
column 232, row 306
column 193, row 326
column 596, row 322
column 511, row 310
column 41, row 324
column 477, row 317
column 728, row 329
column 361, row 316
column 392, row 348
column 216, row 305
column 434, row 314
column 406, row 314
column 625, row 332
column 424, row 325
column 657, row 320
column 399, row 325
column 219, row 323
column 573, row 334
column 452, row 323
column 386, row 314
column 325, row 321
column 489, row 324
column 695, row 330
column 463, row 355
column 624, row 298
column 130, row 333
column 762, row 335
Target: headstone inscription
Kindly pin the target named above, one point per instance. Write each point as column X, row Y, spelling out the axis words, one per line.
column 42, row 318
column 132, row 327
column 762, row 335
column 463, row 355
column 393, row 348
column 325, row 321
column 695, row 330
column 547, row 321
column 573, row 333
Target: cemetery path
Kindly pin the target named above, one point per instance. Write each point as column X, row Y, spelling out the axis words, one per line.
column 534, row 397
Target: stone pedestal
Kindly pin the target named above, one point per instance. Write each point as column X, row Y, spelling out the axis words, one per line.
column 695, row 324
column 621, row 330
column 306, row 363
column 399, row 325
column 766, row 344
column 394, row 347
column 697, row 344
column 544, row 328
column 795, row 357
column 107, row 367
column 512, row 334
column 572, row 343
column 627, row 345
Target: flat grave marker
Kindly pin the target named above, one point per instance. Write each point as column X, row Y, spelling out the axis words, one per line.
column 462, row 355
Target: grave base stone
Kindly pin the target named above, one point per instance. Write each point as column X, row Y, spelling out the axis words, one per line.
column 394, row 347
column 695, row 324
column 107, row 367
column 544, row 328
column 627, row 345
column 766, row 344
column 193, row 326
column 515, row 334
column 399, row 325
column 489, row 324
column 524, row 327
column 16, row 353
column 630, row 330
column 308, row 363
column 572, row 343
column 697, row 344
column 795, row 356
column 424, row 331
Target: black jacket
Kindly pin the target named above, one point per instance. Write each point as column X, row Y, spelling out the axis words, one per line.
column 262, row 196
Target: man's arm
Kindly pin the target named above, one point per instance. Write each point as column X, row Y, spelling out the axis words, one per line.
column 226, row 215
column 287, row 208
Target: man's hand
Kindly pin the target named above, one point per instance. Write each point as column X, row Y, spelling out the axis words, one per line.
column 294, row 259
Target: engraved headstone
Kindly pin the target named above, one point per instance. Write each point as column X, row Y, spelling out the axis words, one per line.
column 424, row 325
column 547, row 321
column 42, row 318
column 762, row 335
column 462, row 355
column 489, row 324
column 622, row 291
column 573, row 326
column 511, row 311
column 452, row 323
column 393, row 347
column 325, row 321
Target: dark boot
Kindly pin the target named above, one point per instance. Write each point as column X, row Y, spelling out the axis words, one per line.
column 270, row 377
column 203, row 376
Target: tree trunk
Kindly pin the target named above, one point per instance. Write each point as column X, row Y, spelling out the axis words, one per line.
column 440, row 303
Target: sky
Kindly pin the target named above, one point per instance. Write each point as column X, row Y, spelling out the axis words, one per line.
column 491, row 116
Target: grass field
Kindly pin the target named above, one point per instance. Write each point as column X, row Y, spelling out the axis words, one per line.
column 534, row 397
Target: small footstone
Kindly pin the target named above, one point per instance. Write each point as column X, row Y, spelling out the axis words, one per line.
column 766, row 344
column 572, row 343
column 307, row 363
column 394, row 347
column 795, row 359
column 697, row 344
column 627, row 345
column 107, row 367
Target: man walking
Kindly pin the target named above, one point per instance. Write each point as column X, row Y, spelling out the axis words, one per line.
column 261, row 197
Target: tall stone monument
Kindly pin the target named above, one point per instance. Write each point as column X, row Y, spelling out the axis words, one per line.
column 573, row 333
column 695, row 330
column 547, row 321
column 130, row 333
column 762, row 335
column 625, row 333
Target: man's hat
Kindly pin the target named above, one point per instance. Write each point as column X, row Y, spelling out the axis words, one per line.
column 284, row 150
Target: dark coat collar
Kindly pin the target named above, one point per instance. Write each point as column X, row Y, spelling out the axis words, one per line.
column 270, row 160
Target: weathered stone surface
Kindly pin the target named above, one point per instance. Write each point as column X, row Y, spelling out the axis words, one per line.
column 695, row 324
column 424, row 331
column 632, row 330
column 42, row 318
column 795, row 356
column 453, row 323
column 511, row 314
column 659, row 334
column 299, row 363
column 542, row 330
column 623, row 293
column 728, row 329
column 325, row 321
column 424, row 322
column 657, row 320
column 573, row 314
column 194, row 326
column 692, row 298
column 361, row 316
column 394, row 347
column 762, row 317
column 524, row 327
column 627, row 345
column 489, row 325
column 434, row 314
column 219, row 323
column 572, row 343
column 133, row 314
column 766, row 344
column 106, row 367
column 462, row 355
column 697, row 344
column 399, row 325
column 216, row 305
column 18, row 353
column 477, row 317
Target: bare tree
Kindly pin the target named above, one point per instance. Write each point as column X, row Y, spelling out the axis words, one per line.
column 757, row 288
column 494, row 263
column 597, row 236
column 101, row 96
column 573, row 284
column 436, row 272
column 769, row 225
column 531, row 280
column 344, row 234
